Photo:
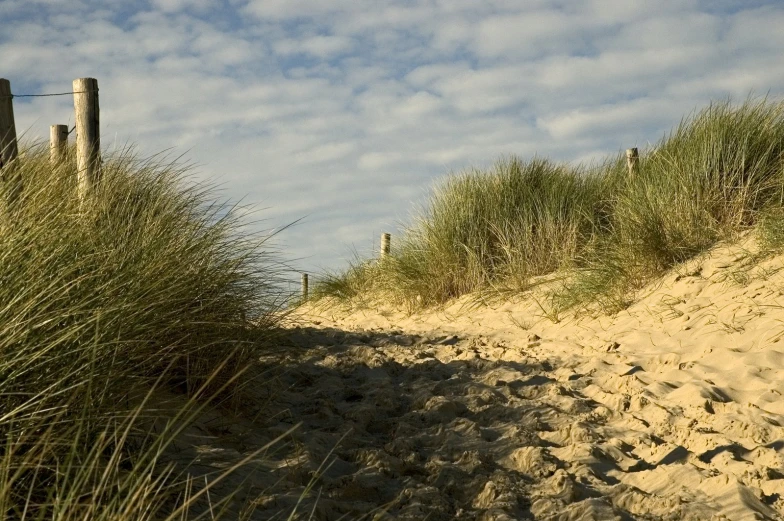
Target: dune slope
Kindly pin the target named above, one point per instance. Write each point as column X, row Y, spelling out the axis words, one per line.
column 671, row 409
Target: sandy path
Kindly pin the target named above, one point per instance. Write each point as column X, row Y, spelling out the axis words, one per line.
column 670, row 410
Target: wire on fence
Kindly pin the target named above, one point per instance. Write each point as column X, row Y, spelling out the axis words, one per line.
column 12, row 96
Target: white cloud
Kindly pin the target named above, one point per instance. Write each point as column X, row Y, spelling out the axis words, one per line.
column 379, row 160
column 326, row 153
column 171, row 6
column 617, row 72
column 485, row 90
column 632, row 12
column 418, row 105
column 670, row 31
column 320, row 46
column 286, row 9
column 757, row 29
column 606, row 117
column 526, row 34
column 451, row 34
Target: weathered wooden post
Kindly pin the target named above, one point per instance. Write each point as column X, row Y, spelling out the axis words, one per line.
column 8, row 146
column 88, row 134
column 58, row 143
column 632, row 161
column 304, row 286
column 385, row 245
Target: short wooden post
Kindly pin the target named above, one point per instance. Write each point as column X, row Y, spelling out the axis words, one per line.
column 304, row 286
column 8, row 146
column 88, row 134
column 632, row 161
column 58, row 143
column 385, row 245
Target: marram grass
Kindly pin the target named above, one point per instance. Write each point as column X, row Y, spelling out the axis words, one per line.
column 142, row 285
column 607, row 233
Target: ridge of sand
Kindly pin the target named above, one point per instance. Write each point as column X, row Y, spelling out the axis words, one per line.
column 669, row 410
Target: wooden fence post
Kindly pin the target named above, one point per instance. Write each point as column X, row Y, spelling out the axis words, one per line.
column 58, row 143
column 304, row 286
column 9, row 148
column 632, row 161
column 88, row 134
column 385, row 245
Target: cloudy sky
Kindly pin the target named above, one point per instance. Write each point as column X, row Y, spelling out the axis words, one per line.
column 344, row 112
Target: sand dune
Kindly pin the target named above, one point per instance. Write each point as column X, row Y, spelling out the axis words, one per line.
column 669, row 410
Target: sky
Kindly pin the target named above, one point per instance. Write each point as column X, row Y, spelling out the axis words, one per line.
column 341, row 114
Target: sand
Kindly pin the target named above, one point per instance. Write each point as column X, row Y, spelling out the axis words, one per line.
column 669, row 410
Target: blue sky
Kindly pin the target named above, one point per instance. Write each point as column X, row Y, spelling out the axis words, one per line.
column 344, row 112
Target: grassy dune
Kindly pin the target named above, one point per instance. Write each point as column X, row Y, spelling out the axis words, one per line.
column 718, row 173
column 142, row 286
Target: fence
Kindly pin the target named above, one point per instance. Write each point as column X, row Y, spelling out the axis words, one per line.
column 386, row 240
column 88, row 135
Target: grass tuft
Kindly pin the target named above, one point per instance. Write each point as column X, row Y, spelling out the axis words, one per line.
column 144, row 284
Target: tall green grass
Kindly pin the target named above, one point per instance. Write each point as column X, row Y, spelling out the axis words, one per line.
column 606, row 233
column 143, row 284
column 481, row 230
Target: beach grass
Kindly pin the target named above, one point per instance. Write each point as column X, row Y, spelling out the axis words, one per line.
column 606, row 233
column 143, row 285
